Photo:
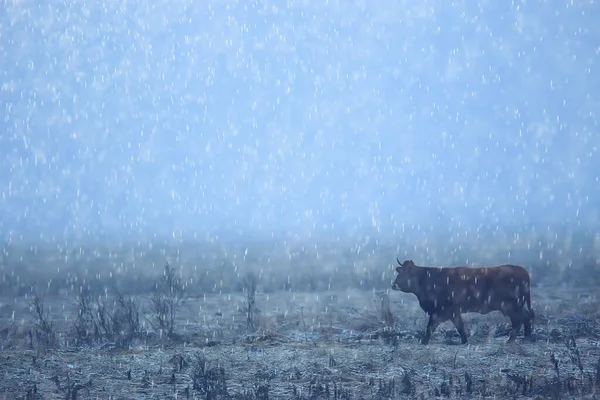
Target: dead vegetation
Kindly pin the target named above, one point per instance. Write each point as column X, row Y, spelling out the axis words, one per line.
column 250, row 304
column 102, row 319
column 299, row 359
column 43, row 328
column 256, row 342
column 208, row 380
column 168, row 296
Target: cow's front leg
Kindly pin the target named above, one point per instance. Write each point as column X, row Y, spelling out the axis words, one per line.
column 460, row 327
column 431, row 327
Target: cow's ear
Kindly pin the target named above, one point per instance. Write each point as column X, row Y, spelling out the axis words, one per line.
column 398, row 269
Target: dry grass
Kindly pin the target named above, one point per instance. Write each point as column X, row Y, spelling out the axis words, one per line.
column 336, row 344
column 304, row 335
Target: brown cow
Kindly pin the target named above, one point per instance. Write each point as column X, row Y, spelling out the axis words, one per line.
column 445, row 293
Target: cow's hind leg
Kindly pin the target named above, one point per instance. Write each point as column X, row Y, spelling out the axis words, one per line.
column 460, row 327
column 432, row 325
column 527, row 328
column 516, row 322
column 528, row 323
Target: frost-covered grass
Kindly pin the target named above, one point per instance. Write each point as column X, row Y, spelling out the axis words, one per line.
column 323, row 324
column 319, row 344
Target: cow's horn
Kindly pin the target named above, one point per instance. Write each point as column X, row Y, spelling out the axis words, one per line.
column 398, row 261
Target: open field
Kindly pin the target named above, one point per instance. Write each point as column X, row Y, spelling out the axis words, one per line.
column 303, row 330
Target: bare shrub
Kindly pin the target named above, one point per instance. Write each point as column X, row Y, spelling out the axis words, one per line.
column 105, row 320
column 101, row 320
column 250, row 305
column 386, row 389
column 574, row 354
column 127, row 315
column 522, row 383
column 207, row 379
column 379, row 314
column 385, row 311
column 168, row 296
column 8, row 335
column 408, row 387
column 44, row 329
column 86, row 328
column 70, row 388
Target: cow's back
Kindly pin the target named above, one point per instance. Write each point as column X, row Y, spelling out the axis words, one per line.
column 480, row 289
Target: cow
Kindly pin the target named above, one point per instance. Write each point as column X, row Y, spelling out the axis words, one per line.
column 445, row 293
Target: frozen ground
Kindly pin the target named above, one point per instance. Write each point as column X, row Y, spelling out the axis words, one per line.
column 305, row 343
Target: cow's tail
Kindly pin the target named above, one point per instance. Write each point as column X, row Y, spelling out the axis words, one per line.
column 528, row 300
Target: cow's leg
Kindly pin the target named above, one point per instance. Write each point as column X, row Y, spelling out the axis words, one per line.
column 460, row 327
column 527, row 328
column 528, row 323
column 516, row 322
column 432, row 325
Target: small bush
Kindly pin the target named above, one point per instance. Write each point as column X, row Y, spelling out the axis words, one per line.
column 385, row 311
column 44, row 329
column 102, row 320
column 207, row 379
column 168, row 296
column 250, row 306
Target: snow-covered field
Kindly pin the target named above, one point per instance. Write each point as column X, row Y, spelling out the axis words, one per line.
column 303, row 344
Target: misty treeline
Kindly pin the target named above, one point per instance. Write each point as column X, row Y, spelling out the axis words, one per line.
column 552, row 258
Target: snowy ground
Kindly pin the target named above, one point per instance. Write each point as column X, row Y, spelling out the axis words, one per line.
column 339, row 344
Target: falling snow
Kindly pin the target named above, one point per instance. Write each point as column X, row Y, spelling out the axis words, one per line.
column 125, row 118
column 297, row 140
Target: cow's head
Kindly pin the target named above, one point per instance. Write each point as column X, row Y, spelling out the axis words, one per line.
column 407, row 278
